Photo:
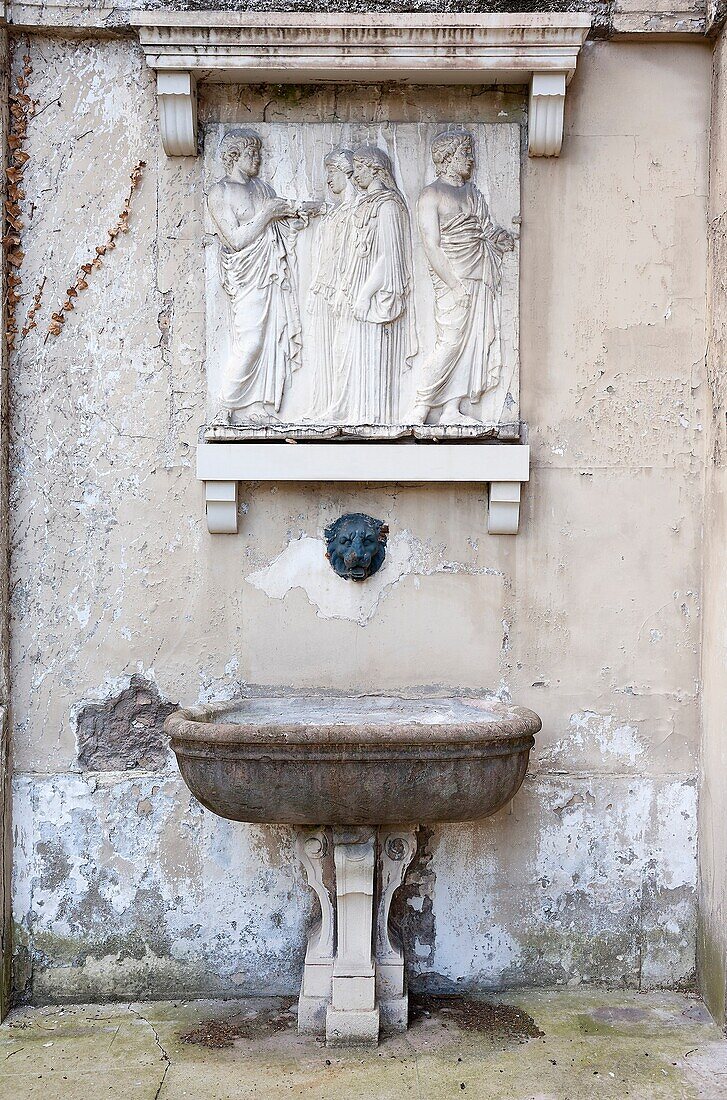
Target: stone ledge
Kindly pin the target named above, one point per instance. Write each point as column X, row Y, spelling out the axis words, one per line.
column 283, row 433
column 503, row 467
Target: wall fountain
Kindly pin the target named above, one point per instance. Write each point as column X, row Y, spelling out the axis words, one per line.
column 356, row 776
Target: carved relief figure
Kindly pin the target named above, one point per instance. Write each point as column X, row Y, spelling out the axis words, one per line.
column 331, row 246
column 464, row 249
column 256, row 230
column 376, row 337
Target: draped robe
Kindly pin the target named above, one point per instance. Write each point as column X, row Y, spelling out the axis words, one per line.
column 467, row 356
column 371, row 352
column 331, row 247
column 261, row 282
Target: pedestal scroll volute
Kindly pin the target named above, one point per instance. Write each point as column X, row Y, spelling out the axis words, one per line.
column 314, row 850
column 354, row 980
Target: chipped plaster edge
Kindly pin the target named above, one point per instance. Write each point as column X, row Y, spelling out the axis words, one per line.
column 5, row 796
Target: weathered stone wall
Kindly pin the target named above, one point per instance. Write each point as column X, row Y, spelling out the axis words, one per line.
column 713, row 794
column 609, row 17
column 123, row 885
column 5, row 791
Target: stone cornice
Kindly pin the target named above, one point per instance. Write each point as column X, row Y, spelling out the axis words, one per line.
column 291, row 48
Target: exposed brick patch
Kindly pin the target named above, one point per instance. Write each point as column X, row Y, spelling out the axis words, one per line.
column 126, row 731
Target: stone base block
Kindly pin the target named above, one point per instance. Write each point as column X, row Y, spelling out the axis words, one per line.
column 349, row 1029
column 394, row 1014
column 317, row 978
column 354, row 992
column 312, row 1015
column 390, row 978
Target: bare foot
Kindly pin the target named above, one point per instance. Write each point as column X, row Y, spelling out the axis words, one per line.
column 222, row 418
column 258, row 415
column 419, row 416
column 452, row 416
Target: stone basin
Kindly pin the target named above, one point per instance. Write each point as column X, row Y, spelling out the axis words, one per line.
column 358, row 775
column 363, row 760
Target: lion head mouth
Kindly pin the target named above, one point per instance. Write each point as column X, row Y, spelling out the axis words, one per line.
column 356, row 546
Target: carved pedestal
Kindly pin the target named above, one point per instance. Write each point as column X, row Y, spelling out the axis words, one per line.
column 315, row 992
column 354, row 978
column 397, row 850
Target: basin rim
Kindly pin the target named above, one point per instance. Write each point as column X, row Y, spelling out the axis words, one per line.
column 191, row 727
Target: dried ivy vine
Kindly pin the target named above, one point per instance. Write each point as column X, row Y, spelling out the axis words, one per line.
column 80, row 282
column 22, row 108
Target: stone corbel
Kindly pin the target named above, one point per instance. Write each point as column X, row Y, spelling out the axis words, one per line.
column 221, row 507
column 177, row 98
column 397, row 848
column 547, row 108
column 503, row 515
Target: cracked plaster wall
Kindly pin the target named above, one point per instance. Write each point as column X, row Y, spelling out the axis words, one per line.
column 591, row 615
column 713, row 793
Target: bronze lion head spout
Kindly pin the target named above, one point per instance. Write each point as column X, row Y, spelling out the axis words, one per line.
column 356, row 545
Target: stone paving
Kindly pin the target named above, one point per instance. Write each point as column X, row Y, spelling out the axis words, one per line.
column 594, row 1045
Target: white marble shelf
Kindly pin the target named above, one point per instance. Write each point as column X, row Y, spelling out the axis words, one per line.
column 504, row 467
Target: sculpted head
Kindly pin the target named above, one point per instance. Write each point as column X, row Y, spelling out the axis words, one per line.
column 241, row 149
column 453, row 153
column 339, row 169
column 356, row 545
column 371, row 163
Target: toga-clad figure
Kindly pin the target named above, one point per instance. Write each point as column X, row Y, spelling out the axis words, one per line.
column 464, row 249
column 324, row 303
column 376, row 337
column 259, row 276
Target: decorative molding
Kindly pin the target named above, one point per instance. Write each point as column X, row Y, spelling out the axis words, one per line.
column 612, row 19
column 177, row 97
column 545, row 119
column 222, row 465
column 296, row 48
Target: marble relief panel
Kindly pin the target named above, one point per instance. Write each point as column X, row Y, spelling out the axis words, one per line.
column 362, row 276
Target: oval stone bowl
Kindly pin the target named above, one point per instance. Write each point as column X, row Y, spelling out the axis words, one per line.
column 363, row 760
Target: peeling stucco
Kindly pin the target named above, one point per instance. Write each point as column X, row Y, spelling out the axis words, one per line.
column 131, row 881
column 123, row 885
column 128, row 879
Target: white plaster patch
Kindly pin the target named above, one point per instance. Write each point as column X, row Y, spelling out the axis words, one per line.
column 673, row 849
column 214, row 688
column 588, row 730
column 303, row 565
